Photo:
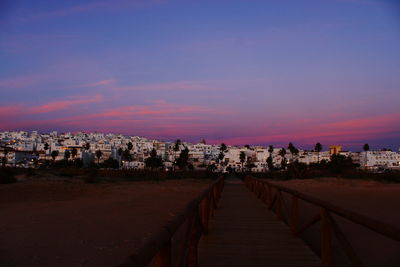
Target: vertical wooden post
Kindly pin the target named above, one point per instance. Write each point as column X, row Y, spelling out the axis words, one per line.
column 326, row 239
column 192, row 259
column 269, row 195
column 294, row 222
column 264, row 194
column 205, row 213
column 163, row 258
column 279, row 204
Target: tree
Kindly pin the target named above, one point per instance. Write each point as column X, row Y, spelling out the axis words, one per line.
column 74, row 153
column 271, row 151
column 54, row 154
column 67, row 154
column 177, row 145
column 270, row 163
column 126, row 155
column 4, row 161
column 293, row 150
column 282, row 153
column 119, row 152
column 212, row 167
column 283, row 163
column 153, row 161
column 249, row 163
column 183, row 159
column 98, row 155
column 318, row 148
column 242, row 158
column 366, row 149
column 221, row 156
column 130, row 146
column 46, row 147
column 87, row 146
column 111, row 163
column 340, row 163
column 223, row 147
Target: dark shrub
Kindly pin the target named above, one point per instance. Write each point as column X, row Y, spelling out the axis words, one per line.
column 7, row 177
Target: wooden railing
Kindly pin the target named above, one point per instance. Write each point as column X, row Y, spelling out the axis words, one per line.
column 176, row 244
column 271, row 194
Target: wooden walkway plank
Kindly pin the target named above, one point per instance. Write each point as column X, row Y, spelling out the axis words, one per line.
column 245, row 233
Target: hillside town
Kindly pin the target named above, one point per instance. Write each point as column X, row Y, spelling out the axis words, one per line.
column 34, row 150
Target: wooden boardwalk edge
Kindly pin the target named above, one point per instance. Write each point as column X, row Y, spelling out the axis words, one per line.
column 243, row 232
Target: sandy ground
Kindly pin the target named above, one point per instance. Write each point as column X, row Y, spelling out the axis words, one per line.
column 70, row 223
column 380, row 201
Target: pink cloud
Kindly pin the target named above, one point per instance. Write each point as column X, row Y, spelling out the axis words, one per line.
column 64, row 104
column 159, row 107
column 367, row 123
column 169, row 86
column 99, row 83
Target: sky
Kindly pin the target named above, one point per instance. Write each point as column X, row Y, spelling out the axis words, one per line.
column 256, row 72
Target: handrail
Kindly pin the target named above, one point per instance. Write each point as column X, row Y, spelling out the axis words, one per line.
column 327, row 222
column 159, row 249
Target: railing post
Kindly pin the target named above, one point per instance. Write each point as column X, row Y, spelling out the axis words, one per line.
column 279, row 205
column 294, row 222
column 192, row 259
column 163, row 258
column 205, row 213
column 326, row 239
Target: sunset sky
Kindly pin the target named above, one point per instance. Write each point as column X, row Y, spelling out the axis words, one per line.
column 235, row 71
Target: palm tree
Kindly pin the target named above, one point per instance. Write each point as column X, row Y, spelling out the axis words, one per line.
column 293, row 150
column 366, row 149
column 242, row 158
column 223, row 147
column 282, row 153
column 98, row 155
column 46, row 147
column 270, row 151
column 318, row 148
column 177, row 145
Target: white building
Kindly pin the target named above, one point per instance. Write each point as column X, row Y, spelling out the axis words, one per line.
column 376, row 159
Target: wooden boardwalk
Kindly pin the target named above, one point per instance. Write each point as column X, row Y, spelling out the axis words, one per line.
column 244, row 232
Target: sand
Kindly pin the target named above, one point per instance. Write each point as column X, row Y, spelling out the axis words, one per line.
column 378, row 200
column 70, row 223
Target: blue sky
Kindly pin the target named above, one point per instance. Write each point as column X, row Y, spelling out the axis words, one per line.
column 259, row 72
